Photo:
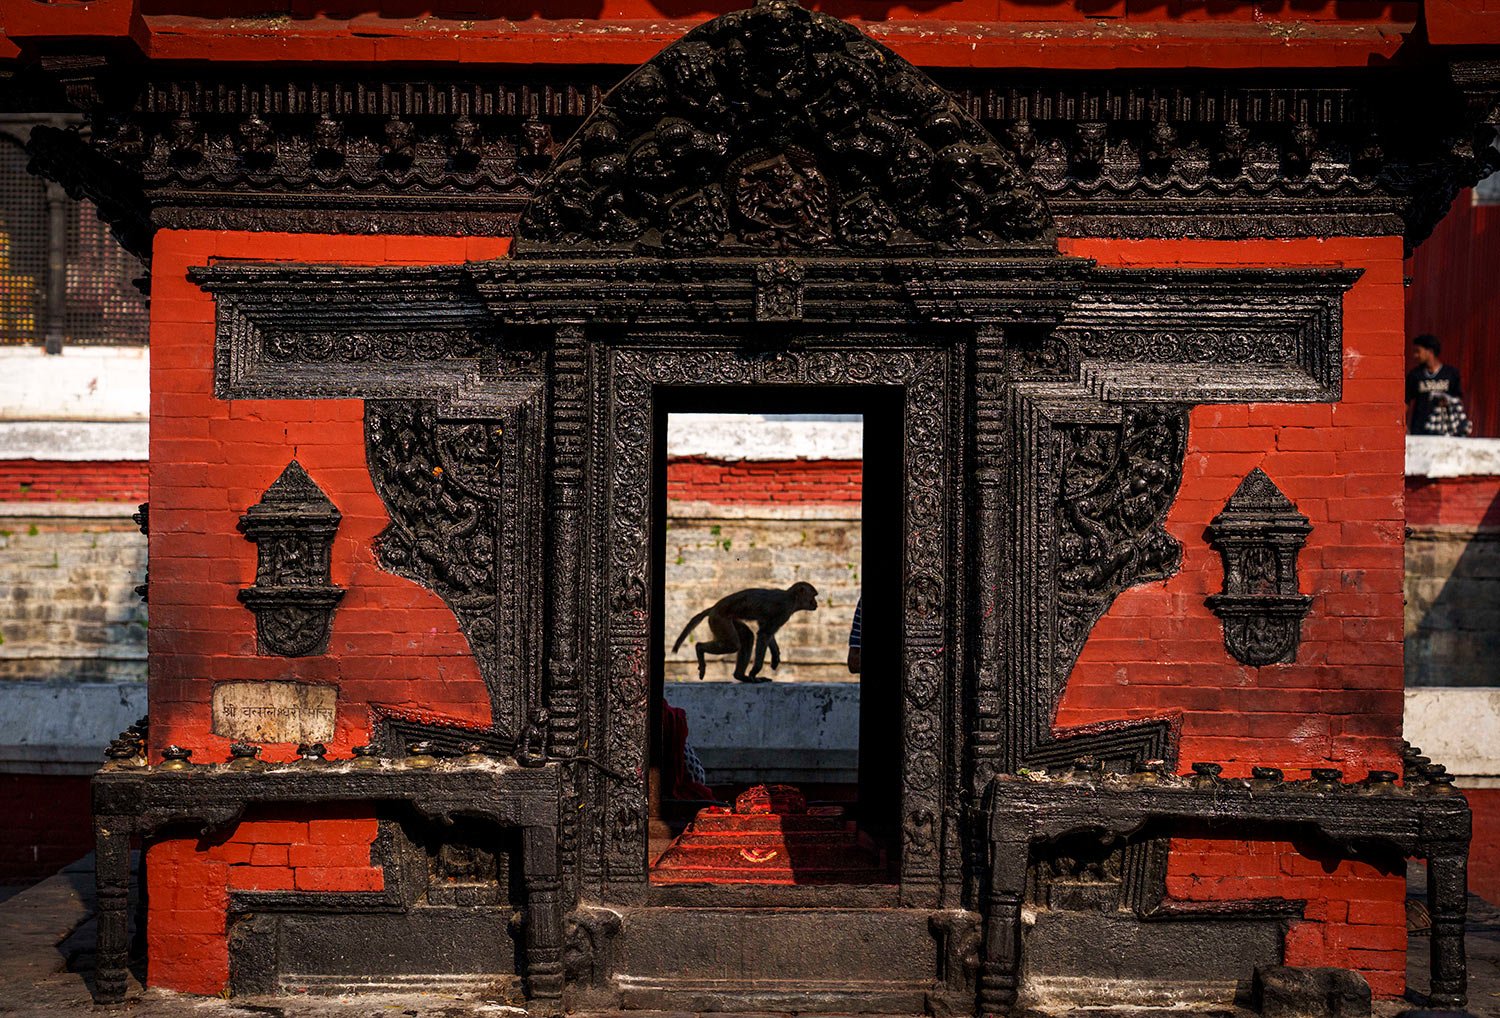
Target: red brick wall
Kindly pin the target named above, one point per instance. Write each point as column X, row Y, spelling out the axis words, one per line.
column 1159, row 651
column 69, row 481
column 764, row 482
column 1484, row 849
column 305, row 850
column 1453, row 502
column 394, row 643
column 47, row 824
column 1452, row 287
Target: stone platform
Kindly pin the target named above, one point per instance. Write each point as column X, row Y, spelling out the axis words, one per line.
column 46, row 962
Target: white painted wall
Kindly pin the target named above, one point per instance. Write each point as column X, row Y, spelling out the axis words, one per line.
column 1459, row 728
column 83, row 383
column 765, row 437
column 1441, row 456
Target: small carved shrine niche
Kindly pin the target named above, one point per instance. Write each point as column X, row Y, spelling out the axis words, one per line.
column 1260, row 533
column 293, row 596
column 467, row 866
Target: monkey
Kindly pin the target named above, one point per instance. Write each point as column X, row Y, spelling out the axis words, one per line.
column 768, row 609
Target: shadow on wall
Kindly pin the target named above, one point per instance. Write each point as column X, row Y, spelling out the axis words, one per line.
column 1453, row 583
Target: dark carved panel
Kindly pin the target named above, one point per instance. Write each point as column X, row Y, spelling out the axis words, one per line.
column 420, row 331
column 459, row 480
column 293, row 597
column 1259, row 534
column 1116, row 483
column 779, row 128
column 1097, row 487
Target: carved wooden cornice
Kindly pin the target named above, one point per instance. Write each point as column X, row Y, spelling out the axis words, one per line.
column 1185, row 154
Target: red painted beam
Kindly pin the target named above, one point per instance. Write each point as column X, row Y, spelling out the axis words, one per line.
column 962, row 33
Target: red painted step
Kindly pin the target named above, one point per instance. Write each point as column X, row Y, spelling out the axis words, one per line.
column 771, row 838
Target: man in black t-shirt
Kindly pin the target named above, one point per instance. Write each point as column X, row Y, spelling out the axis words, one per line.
column 1428, row 382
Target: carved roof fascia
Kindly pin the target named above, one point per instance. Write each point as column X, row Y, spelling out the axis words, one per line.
column 665, row 291
column 1186, row 153
column 87, row 172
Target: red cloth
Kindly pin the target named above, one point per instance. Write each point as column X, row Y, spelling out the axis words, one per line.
column 676, row 782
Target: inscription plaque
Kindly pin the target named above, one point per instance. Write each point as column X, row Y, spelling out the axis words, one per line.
column 274, row 711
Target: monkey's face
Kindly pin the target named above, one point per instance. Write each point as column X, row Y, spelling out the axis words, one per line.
column 804, row 596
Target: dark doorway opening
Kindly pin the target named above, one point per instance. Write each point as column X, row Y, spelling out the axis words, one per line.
column 764, row 809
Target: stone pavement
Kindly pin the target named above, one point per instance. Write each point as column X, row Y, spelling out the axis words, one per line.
column 47, row 945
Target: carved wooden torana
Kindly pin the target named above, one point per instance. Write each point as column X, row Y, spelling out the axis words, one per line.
column 778, row 203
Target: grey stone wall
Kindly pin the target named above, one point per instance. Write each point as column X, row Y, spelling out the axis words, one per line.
column 1452, row 606
column 67, row 577
column 713, row 550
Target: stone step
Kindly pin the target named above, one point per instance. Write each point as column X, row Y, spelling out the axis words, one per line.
column 763, row 958
column 804, row 996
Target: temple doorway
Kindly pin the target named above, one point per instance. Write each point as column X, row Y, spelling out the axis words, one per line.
column 775, row 721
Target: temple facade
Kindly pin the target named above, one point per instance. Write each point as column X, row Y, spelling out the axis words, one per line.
column 1115, row 292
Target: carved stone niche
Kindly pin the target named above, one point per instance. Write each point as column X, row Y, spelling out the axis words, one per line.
column 293, row 596
column 1259, row 533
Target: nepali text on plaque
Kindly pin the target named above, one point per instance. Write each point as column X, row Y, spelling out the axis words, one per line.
column 274, row 711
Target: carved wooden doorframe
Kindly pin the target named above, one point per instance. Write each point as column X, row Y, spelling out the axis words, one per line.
column 929, row 376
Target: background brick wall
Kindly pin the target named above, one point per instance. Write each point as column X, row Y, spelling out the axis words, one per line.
column 47, row 824
column 1159, row 651
column 764, row 523
column 1452, row 581
column 72, row 481
column 72, row 611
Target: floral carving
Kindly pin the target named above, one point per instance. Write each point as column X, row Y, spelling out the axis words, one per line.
column 447, row 481
column 1117, row 483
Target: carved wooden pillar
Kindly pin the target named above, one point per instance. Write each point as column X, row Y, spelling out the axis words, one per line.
column 990, row 455
column 1000, row 971
column 544, row 971
column 112, row 889
column 1447, row 901
column 568, row 434
column 569, row 443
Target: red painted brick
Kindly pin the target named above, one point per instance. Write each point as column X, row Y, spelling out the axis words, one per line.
column 261, row 878
column 268, row 855
column 340, row 878
column 325, row 856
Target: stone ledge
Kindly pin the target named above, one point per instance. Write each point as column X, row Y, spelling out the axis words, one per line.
column 1441, row 456
column 60, row 727
column 758, row 437
column 67, row 510
column 77, row 441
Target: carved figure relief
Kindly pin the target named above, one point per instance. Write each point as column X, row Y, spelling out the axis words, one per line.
column 779, row 128
column 293, row 597
column 1259, row 534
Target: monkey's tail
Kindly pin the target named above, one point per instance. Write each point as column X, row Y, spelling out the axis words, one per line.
column 692, row 622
